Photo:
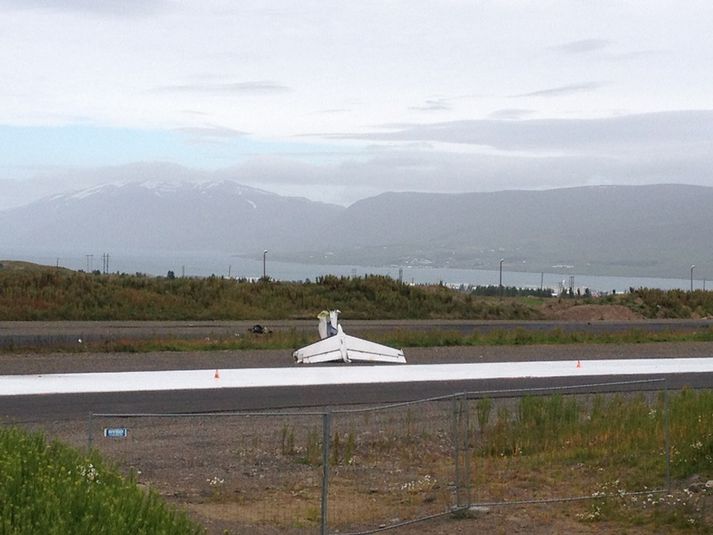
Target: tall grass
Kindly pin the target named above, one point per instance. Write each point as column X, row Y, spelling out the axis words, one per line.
column 50, row 488
column 291, row 338
column 620, row 430
column 692, row 433
column 520, row 336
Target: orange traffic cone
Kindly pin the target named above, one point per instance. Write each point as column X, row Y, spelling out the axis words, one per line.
column 216, row 375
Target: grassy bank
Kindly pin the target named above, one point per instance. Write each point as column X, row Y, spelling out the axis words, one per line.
column 50, row 488
column 615, row 444
column 654, row 303
column 48, row 294
column 32, row 292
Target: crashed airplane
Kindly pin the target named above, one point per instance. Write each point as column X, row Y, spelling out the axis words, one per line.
column 337, row 346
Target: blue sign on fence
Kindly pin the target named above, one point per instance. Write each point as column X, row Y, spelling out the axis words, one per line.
column 116, row 432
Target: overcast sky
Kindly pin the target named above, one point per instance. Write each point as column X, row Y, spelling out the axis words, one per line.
column 338, row 100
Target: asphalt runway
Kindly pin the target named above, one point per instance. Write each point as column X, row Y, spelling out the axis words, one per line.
column 58, row 407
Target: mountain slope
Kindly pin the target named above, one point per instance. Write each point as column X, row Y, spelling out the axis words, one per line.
column 220, row 216
column 654, row 230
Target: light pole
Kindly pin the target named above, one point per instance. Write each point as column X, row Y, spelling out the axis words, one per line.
column 692, row 266
column 501, row 276
column 264, row 264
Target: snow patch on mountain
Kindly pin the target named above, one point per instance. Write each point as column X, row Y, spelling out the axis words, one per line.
column 162, row 188
column 84, row 193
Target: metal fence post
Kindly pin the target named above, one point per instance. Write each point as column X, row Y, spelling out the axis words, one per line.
column 89, row 433
column 326, row 437
column 667, row 435
column 467, row 451
column 454, row 425
column 457, row 408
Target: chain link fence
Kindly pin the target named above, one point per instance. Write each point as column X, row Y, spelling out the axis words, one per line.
column 368, row 469
column 364, row 470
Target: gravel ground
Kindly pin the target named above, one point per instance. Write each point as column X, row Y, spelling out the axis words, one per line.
column 35, row 363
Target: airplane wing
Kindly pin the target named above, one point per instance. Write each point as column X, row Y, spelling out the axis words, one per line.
column 347, row 348
column 359, row 349
column 325, row 350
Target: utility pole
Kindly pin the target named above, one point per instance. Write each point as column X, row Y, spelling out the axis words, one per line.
column 264, row 264
column 105, row 263
column 500, row 285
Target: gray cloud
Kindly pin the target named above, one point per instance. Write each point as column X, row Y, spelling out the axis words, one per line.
column 407, row 169
column 259, row 87
column 633, row 55
column 439, row 104
column 510, row 113
column 675, row 130
column 121, row 8
column 212, row 132
column 581, row 46
column 585, row 46
column 330, row 111
column 562, row 90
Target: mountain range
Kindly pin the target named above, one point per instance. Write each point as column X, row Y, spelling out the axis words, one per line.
column 656, row 230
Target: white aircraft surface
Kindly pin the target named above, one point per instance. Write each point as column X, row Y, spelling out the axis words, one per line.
column 335, row 345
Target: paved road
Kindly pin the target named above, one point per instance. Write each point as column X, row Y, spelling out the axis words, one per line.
column 41, row 333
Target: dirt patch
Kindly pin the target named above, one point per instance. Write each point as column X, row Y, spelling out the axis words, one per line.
column 559, row 311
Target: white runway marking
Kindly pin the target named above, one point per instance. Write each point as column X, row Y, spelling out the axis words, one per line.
column 14, row 385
